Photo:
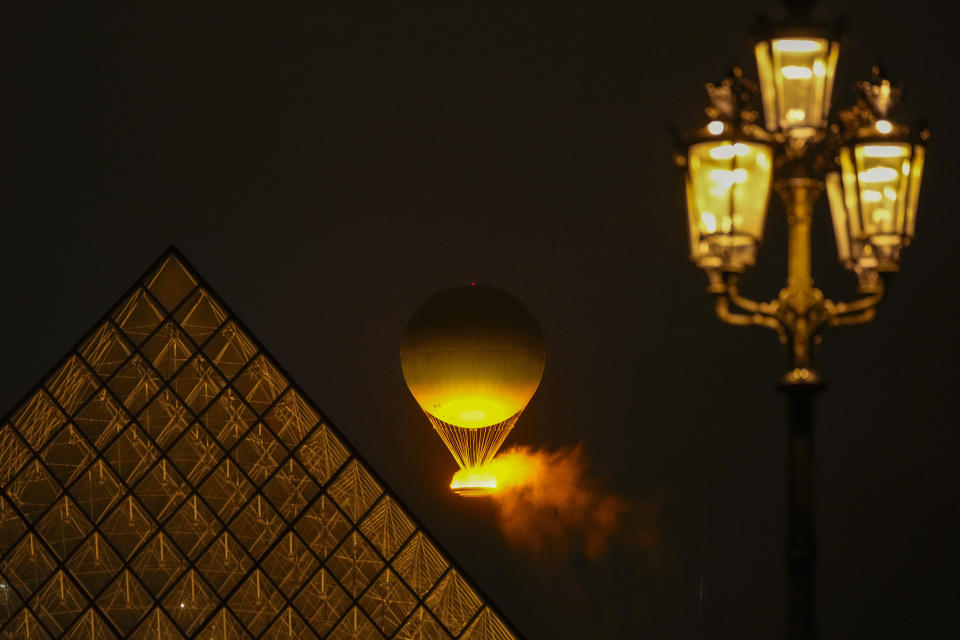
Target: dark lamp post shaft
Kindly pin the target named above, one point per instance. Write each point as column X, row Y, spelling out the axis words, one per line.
column 801, row 544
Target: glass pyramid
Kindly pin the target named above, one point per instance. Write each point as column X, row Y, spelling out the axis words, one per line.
column 168, row 481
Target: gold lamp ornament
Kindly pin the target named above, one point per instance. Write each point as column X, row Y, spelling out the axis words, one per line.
column 472, row 357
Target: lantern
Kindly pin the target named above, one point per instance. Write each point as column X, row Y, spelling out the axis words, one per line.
column 728, row 170
column 874, row 195
column 796, row 62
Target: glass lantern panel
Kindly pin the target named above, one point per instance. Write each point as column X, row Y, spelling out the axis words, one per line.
column 796, row 80
column 838, row 212
column 730, row 184
column 882, row 176
column 916, row 172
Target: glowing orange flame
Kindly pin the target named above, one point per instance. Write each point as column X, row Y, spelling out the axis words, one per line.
column 547, row 502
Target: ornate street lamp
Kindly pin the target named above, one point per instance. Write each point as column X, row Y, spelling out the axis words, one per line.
column 870, row 166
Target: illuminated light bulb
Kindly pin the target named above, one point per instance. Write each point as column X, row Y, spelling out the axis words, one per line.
column 884, row 151
column 797, row 46
column 763, row 161
column 884, row 126
column 716, row 127
column 881, row 215
column 906, row 167
column 872, row 195
column 796, row 72
column 724, row 152
column 796, row 115
column 727, row 151
column 877, row 174
column 890, row 193
column 182, row 605
column 819, row 69
column 709, row 222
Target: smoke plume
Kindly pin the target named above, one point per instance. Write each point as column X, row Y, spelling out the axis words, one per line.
column 548, row 503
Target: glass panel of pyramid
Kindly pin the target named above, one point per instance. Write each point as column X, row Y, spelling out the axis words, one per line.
column 168, row 481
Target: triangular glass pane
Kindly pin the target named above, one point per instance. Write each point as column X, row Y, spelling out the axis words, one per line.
column 135, row 383
column 102, row 418
column 97, row 489
column 158, row 564
column 138, row 316
column 354, row 563
column 193, row 526
column 422, row 626
column 165, row 418
column 224, row 563
column 355, row 626
column 12, row 526
column 291, row 418
column 289, row 626
column 168, row 350
column 127, row 527
column 90, row 626
column 131, row 454
column 105, row 350
column 290, row 489
column 387, row 527
column 64, row 527
column 420, row 564
column 453, row 602
column 388, row 602
column 72, row 384
column 488, row 626
column 171, row 283
column 322, row 454
column 156, row 626
column 198, row 383
column 290, row 564
column 226, row 489
column 58, row 603
column 38, row 419
column 256, row 603
column 200, row 316
column 230, row 350
column 125, row 602
column 323, row 526
column 260, row 383
column 28, row 566
column 13, row 452
column 355, row 490
column 33, row 490
column 190, row 601
column 257, row 526
column 94, row 564
column 322, row 602
column 24, row 627
column 67, row 454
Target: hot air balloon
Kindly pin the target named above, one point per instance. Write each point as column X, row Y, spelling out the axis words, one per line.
column 472, row 357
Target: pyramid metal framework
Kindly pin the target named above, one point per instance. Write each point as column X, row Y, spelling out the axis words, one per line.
column 167, row 480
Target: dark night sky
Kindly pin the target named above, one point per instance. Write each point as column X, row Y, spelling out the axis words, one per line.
column 328, row 167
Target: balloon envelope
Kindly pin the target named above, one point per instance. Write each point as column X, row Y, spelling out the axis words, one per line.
column 472, row 356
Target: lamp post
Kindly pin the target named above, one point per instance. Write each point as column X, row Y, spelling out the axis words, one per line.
column 869, row 165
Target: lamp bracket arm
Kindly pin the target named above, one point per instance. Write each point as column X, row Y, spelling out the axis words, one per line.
column 753, row 306
column 859, row 310
column 722, row 306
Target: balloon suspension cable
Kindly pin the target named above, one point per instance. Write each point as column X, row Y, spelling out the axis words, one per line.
column 472, row 448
